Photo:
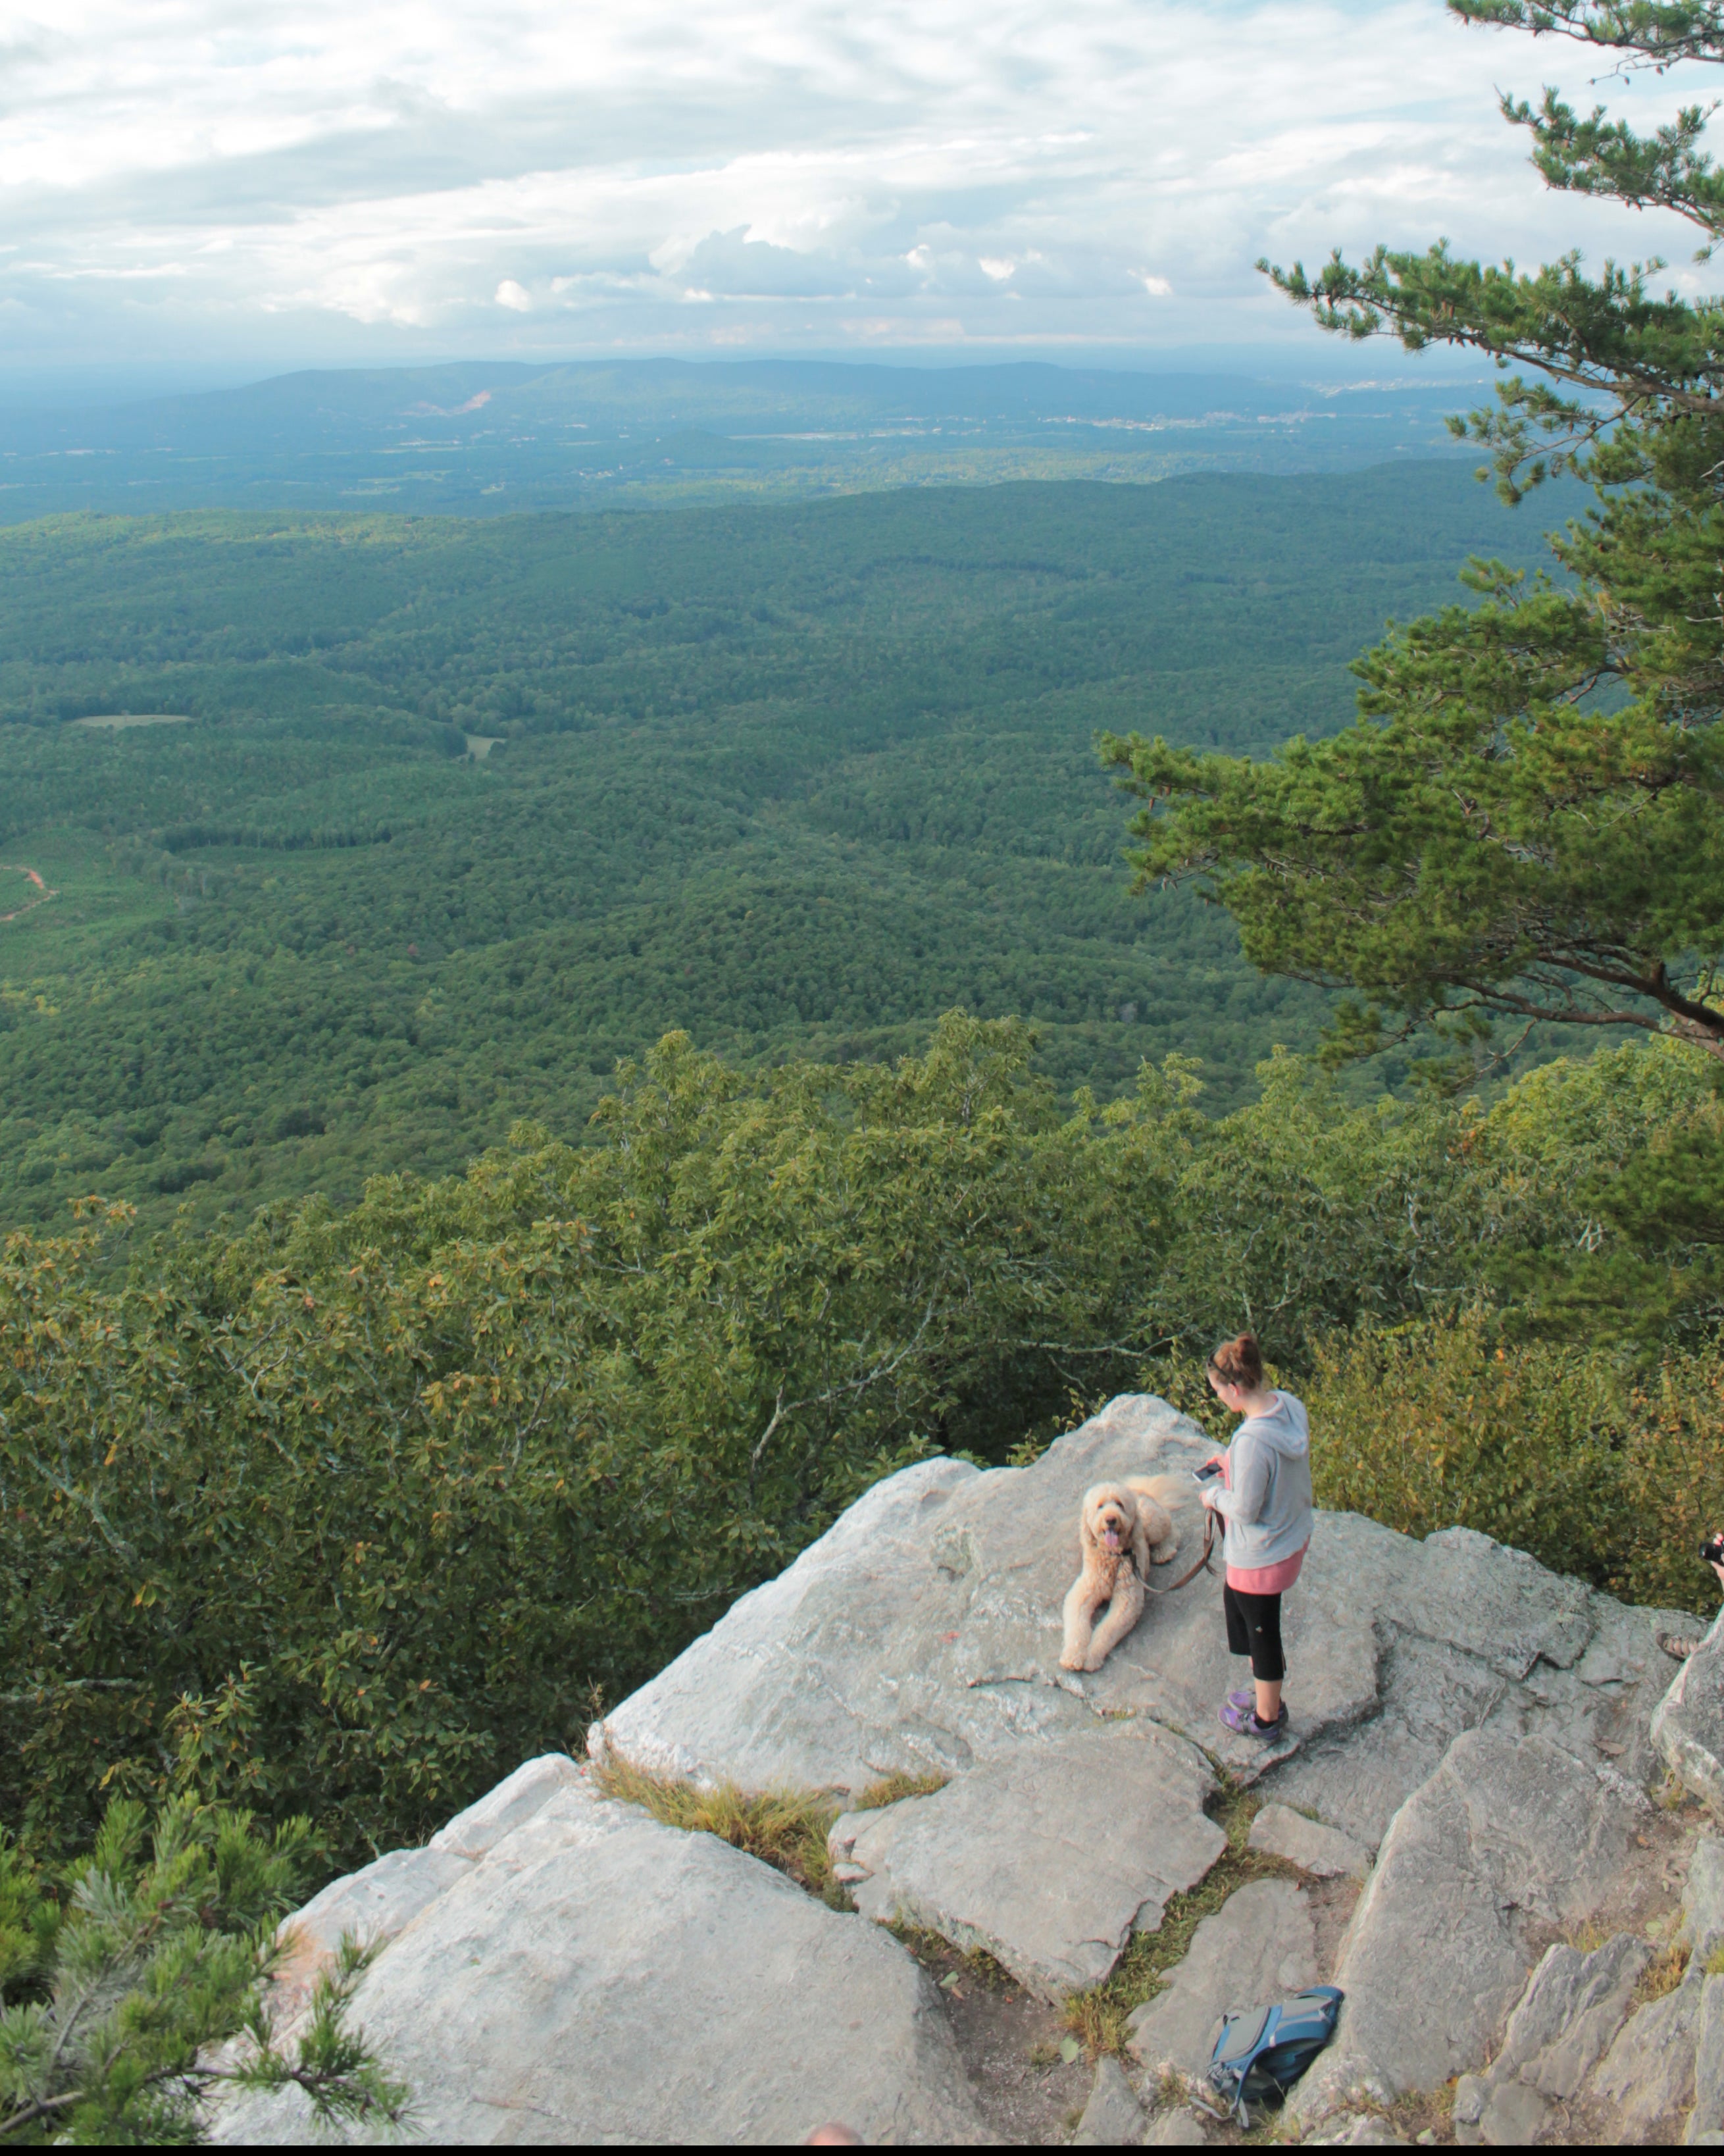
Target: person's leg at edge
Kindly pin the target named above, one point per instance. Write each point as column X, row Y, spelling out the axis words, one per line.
column 1239, row 1637
column 1263, row 1617
column 1253, row 1628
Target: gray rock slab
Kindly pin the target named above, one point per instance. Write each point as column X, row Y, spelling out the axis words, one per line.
column 1113, row 2117
column 511, row 1803
column 922, row 1632
column 1505, row 1836
column 1647, row 2073
column 1569, row 2016
column 1472, row 2091
column 1324, row 1852
column 1432, row 1688
column 596, row 1976
column 374, row 1904
column 1512, row 2115
column 1259, row 1945
column 1688, row 1727
column 1358, row 1779
column 1049, row 1859
column 1703, row 1895
column 1181, row 2128
column 1707, row 2115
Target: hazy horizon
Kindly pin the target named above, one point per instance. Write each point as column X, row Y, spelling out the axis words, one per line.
column 200, row 198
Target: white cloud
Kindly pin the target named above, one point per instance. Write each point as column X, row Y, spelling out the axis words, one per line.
column 418, row 174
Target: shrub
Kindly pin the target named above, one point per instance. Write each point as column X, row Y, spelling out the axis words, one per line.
column 118, row 1980
column 1562, row 1452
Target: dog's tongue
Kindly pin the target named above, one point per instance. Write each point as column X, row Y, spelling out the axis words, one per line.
column 1111, row 1538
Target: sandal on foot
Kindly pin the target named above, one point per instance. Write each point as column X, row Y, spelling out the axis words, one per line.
column 1244, row 1722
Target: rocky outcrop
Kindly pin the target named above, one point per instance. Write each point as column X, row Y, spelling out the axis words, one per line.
column 1470, row 1736
column 567, row 1970
column 1507, row 1835
column 1113, row 2117
column 916, row 1636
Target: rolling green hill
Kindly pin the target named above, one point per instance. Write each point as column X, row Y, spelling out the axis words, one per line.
column 796, row 778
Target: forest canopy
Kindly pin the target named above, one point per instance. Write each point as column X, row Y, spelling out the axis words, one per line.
column 347, row 1512
column 795, row 780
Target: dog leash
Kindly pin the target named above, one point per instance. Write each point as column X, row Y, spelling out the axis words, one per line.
column 1201, row 1564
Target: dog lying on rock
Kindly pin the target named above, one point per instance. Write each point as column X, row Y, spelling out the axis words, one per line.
column 1123, row 1529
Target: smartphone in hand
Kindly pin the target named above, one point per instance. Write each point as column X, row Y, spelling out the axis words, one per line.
column 1207, row 1472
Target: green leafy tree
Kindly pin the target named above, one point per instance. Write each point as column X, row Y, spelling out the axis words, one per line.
column 350, row 1513
column 1527, row 820
column 131, row 1995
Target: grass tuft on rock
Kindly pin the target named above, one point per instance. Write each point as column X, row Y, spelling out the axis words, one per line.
column 1662, row 1974
column 1098, row 2017
column 784, row 1828
column 893, row 1789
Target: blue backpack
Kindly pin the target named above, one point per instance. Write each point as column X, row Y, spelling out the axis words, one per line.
column 1259, row 2053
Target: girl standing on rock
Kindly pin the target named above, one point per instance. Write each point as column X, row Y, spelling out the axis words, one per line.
column 1263, row 1496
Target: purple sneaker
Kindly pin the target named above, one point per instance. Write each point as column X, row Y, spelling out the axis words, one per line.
column 1240, row 1717
column 1242, row 1699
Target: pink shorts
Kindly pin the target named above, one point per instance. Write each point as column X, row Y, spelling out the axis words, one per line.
column 1267, row 1578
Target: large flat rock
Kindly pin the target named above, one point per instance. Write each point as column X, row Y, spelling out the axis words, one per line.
column 591, row 1975
column 1032, row 1857
column 922, row 1633
column 1509, row 1838
column 1473, row 1635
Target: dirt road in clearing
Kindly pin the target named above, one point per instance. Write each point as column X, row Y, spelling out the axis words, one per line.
column 42, row 893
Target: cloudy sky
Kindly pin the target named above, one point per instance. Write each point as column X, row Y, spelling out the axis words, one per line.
column 215, row 182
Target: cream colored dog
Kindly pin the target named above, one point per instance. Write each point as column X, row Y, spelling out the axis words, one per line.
column 1123, row 1529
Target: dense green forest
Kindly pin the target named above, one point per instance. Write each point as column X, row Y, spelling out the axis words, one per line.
column 796, row 778
column 341, row 1504
column 347, row 1512
column 760, row 861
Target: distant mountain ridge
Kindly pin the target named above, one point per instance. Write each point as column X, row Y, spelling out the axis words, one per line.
column 532, row 435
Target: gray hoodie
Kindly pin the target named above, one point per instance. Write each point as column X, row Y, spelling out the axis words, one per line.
column 1267, row 1502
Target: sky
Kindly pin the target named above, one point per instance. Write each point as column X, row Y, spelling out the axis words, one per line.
column 213, row 185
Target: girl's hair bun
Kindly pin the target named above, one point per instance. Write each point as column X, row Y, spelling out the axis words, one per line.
column 1240, row 1362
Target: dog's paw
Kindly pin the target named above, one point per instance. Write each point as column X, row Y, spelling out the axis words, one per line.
column 1073, row 1662
column 1164, row 1553
column 1093, row 1664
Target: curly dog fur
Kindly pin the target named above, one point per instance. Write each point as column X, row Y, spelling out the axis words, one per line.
column 1123, row 1529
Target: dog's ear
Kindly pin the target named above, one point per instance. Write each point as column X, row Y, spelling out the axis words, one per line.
column 1087, row 1532
column 1140, row 1530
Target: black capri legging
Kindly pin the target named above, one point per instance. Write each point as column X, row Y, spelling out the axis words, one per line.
column 1253, row 1628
